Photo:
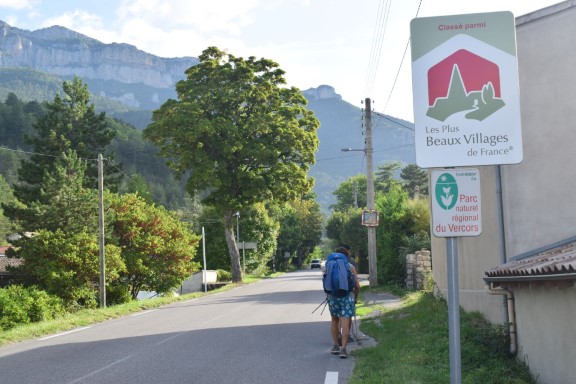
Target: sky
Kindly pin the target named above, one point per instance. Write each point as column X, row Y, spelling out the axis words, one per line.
column 357, row 47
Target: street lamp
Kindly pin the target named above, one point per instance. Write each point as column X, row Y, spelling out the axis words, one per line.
column 368, row 150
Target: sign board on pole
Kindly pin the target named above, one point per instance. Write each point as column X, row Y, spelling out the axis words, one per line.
column 456, row 203
column 466, row 92
column 370, row 218
column 247, row 245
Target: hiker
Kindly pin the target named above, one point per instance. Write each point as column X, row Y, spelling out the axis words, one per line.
column 342, row 307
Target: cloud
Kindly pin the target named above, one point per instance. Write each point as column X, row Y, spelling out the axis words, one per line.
column 16, row 4
column 203, row 17
column 76, row 20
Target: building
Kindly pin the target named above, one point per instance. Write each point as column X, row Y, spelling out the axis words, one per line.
column 527, row 249
column 5, row 276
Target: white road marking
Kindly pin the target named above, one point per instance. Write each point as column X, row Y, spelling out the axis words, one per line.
column 143, row 313
column 81, row 379
column 64, row 333
column 331, row 378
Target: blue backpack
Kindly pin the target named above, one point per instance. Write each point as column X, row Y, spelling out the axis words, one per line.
column 338, row 280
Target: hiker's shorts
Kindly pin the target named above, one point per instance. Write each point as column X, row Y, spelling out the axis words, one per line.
column 342, row 306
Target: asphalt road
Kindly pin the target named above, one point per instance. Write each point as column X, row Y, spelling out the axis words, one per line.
column 258, row 333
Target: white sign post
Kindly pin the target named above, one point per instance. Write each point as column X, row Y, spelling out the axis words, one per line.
column 466, row 113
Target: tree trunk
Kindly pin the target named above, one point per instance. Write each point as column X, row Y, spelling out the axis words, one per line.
column 232, row 248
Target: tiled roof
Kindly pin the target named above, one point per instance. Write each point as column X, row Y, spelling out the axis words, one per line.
column 6, row 261
column 558, row 260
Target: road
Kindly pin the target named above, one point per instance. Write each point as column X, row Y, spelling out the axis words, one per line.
column 259, row 333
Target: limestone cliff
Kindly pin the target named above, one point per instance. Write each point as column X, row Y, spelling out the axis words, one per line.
column 63, row 52
column 323, row 92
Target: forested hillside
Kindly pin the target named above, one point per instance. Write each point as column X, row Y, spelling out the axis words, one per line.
column 136, row 155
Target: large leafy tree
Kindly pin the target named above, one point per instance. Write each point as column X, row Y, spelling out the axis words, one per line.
column 67, row 265
column 157, row 248
column 238, row 133
column 70, row 123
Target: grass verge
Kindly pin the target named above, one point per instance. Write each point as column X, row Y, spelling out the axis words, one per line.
column 91, row 316
column 413, row 346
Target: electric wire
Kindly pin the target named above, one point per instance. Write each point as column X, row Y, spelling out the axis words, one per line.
column 401, row 62
column 376, row 47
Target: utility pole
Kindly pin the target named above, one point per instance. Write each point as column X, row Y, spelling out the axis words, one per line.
column 372, row 275
column 101, row 231
column 368, row 150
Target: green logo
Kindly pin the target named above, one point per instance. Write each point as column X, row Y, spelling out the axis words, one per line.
column 446, row 191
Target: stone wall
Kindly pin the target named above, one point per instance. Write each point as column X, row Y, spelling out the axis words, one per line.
column 418, row 269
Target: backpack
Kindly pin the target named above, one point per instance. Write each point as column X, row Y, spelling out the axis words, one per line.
column 338, row 280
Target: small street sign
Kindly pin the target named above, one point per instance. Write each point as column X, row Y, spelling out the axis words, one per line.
column 456, row 202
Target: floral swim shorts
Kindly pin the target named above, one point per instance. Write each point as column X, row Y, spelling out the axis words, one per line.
column 342, row 306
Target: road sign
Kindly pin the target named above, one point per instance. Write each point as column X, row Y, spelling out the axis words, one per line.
column 247, row 245
column 370, row 218
column 466, row 93
column 456, row 203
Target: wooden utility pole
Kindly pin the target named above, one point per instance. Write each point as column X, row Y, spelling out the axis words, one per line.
column 101, row 231
column 368, row 149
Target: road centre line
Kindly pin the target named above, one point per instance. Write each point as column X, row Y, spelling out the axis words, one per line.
column 64, row 333
column 331, row 377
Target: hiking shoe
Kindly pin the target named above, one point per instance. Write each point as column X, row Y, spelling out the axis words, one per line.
column 343, row 353
column 335, row 349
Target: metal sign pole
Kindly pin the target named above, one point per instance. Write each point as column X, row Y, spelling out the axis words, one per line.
column 204, row 259
column 453, row 311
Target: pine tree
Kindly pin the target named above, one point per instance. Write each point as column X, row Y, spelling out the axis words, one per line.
column 70, row 123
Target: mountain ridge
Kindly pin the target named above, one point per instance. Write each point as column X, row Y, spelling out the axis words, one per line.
column 63, row 52
column 129, row 84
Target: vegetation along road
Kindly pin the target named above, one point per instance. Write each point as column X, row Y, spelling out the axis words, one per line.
column 259, row 333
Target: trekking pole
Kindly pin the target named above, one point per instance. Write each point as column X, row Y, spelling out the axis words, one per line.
column 325, row 301
column 325, row 304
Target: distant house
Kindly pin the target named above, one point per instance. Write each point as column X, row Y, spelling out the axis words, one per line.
column 5, row 276
column 521, row 271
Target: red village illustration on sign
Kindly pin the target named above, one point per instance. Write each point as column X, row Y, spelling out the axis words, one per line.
column 464, row 82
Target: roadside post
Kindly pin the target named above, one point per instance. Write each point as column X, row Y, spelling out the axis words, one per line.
column 466, row 113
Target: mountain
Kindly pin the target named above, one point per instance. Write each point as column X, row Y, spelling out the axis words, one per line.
column 129, row 84
column 341, row 126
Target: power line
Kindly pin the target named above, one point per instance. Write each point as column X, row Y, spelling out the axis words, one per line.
column 401, row 63
column 383, row 116
column 376, row 48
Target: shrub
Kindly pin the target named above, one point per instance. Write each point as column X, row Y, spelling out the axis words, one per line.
column 21, row 305
column 223, row 275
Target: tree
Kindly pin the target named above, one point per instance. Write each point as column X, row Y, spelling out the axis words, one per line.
column 301, row 225
column 70, row 123
column 157, row 248
column 386, row 176
column 63, row 203
column 63, row 255
column 351, row 193
column 6, row 198
column 392, row 234
column 414, row 178
column 67, row 265
column 238, row 134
